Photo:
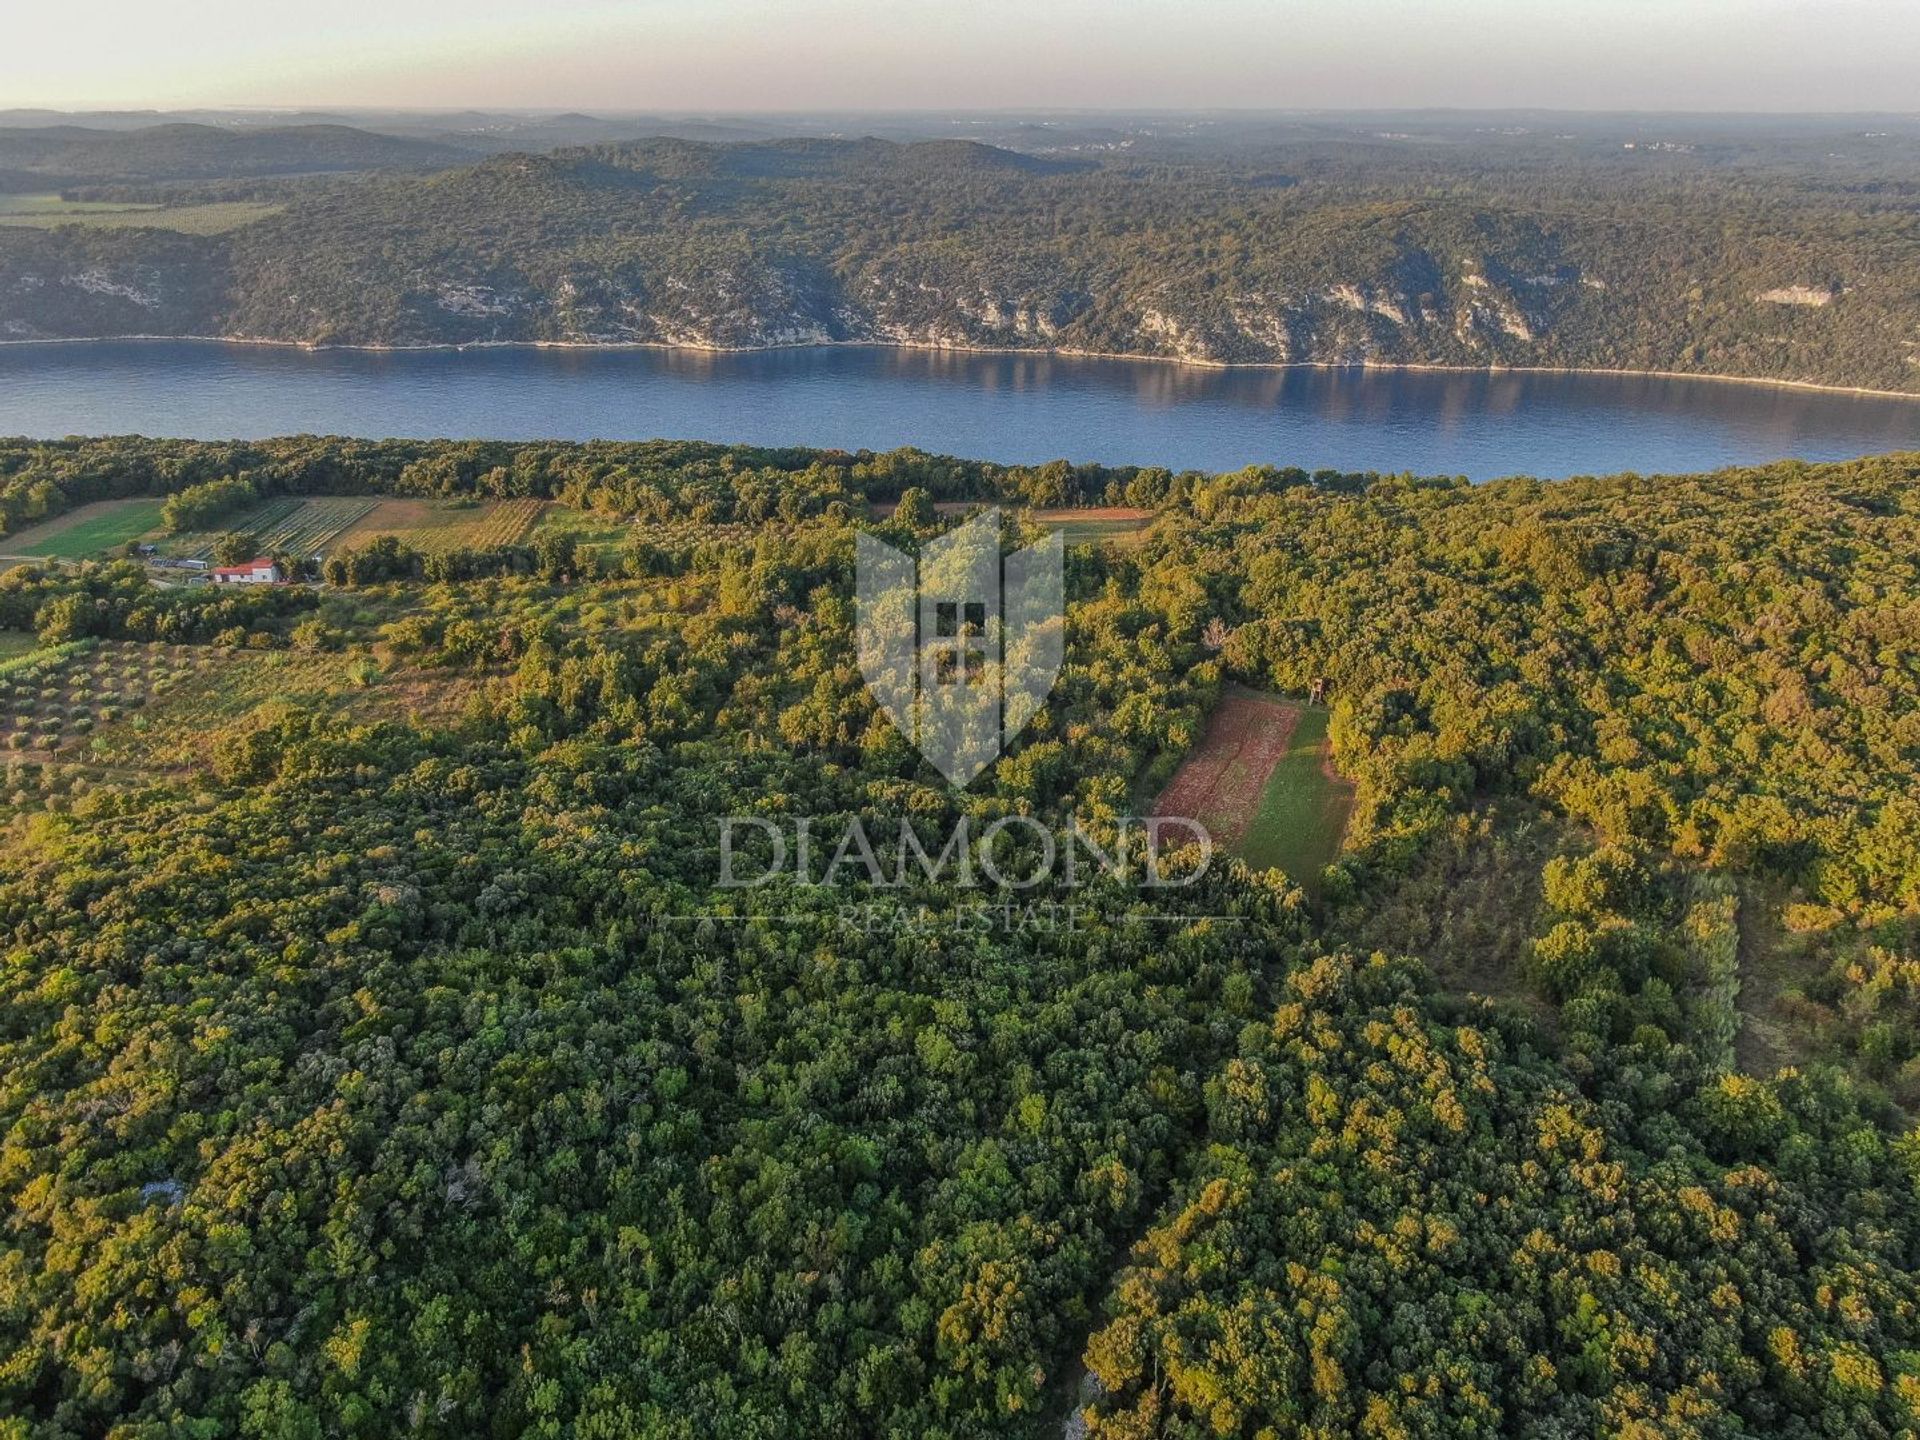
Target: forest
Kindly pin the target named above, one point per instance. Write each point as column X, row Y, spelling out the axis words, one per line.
column 380, row 1054
column 1796, row 259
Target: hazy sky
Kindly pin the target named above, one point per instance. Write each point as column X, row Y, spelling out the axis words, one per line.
column 712, row 55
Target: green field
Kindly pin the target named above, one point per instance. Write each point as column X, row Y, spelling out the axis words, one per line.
column 52, row 207
column 1303, row 810
column 1094, row 527
column 44, row 212
column 584, row 528
column 89, row 531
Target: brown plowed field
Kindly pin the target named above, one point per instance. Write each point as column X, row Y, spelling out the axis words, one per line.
column 1222, row 782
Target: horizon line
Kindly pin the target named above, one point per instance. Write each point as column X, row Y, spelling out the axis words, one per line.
column 603, row 112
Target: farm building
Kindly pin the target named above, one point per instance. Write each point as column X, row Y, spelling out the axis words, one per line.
column 255, row 572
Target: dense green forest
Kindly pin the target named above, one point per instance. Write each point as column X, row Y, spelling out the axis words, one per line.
column 376, row 1066
column 1799, row 261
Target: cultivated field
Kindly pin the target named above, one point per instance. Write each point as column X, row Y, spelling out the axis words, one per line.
column 55, row 702
column 292, row 524
column 310, row 525
column 88, row 531
column 583, row 528
column 436, row 526
column 1262, row 783
column 1095, row 526
column 74, row 714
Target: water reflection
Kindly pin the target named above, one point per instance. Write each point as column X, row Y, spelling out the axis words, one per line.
column 1006, row 407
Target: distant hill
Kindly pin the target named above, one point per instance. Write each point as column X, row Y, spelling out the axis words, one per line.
column 70, row 153
column 1759, row 259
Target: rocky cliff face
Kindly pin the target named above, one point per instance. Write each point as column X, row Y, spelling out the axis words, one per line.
column 582, row 253
column 74, row 283
column 1470, row 319
column 63, row 287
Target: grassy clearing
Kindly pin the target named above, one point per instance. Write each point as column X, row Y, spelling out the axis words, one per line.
column 14, row 206
column 179, row 727
column 1778, row 1025
column 427, row 698
column 179, row 730
column 584, row 529
column 46, row 212
column 437, row 526
column 1263, row 784
column 88, row 531
column 1302, row 817
column 883, row 509
column 685, row 536
column 1116, row 523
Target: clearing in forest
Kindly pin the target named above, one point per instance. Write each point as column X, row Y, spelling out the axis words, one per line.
column 1262, row 782
column 47, row 212
column 438, row 526
column 1093, row 526
column 1779, row 1023
column 72, row 714
column 582, row 527
column 88, row 530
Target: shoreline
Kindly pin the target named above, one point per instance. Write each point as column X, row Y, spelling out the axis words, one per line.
column 1404, row 366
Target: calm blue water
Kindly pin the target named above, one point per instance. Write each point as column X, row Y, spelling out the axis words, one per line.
column 996, row 407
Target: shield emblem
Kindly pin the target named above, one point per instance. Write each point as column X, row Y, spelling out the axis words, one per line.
column 962, row 649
